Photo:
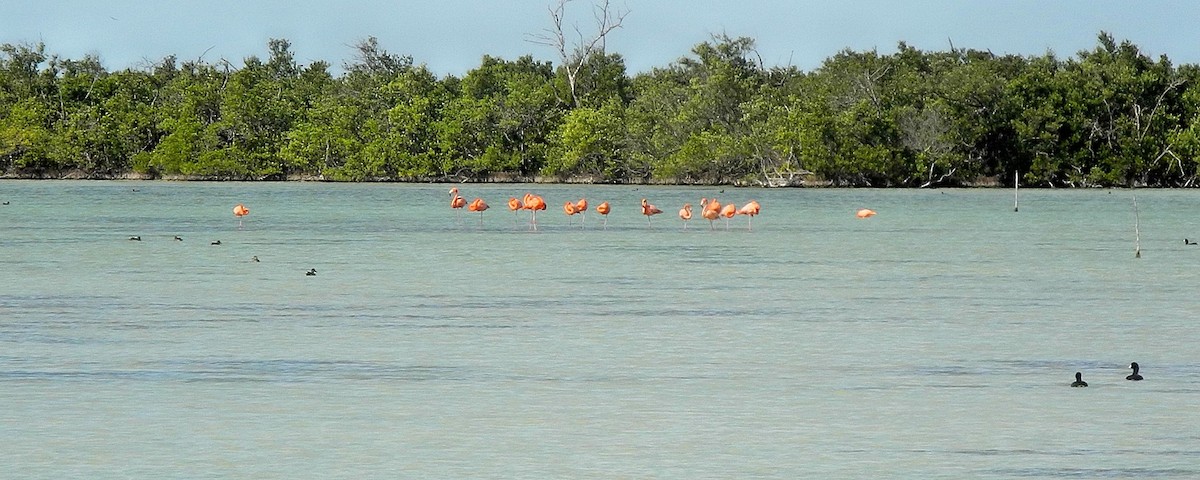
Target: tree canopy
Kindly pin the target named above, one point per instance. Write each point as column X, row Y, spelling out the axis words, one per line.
column 1110, row 116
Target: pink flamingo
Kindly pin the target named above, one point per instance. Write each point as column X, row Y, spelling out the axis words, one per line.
column 514, row 205
column 603, row 208
column 478, row 205
column 685, row 214
column 240, row 211
column 710, row 210
column 750, row 210
column 728, row 211
column 649, row 211
column 569, row 209
column 457, row 202
column 580, row 207
column 533, row 203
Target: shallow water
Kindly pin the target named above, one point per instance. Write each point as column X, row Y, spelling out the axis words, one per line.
column 935, row 340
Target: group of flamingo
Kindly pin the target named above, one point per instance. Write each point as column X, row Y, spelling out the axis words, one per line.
column 711, row 209
column 530, row 202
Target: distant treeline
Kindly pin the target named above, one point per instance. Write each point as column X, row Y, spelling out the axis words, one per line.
column 1111, row 116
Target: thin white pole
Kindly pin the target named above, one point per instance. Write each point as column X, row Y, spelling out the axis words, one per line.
column 1016, row 186
column 1137, row 234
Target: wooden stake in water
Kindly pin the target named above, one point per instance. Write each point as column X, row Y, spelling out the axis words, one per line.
column 1137, row 234
column 1016, row 185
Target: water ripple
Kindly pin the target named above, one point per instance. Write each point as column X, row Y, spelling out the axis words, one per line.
column 275, row 371
column 1098, row 472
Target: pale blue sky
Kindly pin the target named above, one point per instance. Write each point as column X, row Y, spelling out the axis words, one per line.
column 450, row 36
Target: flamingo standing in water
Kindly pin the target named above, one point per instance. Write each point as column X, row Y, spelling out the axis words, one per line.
column 685, row 214
column 239, row 211
column 603, row 208
column 750, row 209
column 478, row 205
column 457, row 202
column 580, row 207
column 569, row 209
column 649, row 210
column 728, row 211
column 710, row 210
column 514, row 205
column 533, row 203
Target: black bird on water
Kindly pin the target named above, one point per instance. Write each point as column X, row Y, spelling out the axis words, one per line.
column 1135, row 375
column 218, row 242
column 1189, row 242
column 178, row 238
column 312, row 272
column 1079, row 380
column 136, row 238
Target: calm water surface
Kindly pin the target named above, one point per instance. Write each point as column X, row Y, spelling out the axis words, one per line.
column 935, row 340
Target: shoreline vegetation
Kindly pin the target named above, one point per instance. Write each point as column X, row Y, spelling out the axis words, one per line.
column 1108, row 117
column 799, row 181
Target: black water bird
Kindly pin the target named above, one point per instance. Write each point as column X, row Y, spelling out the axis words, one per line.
column 312, row 272
column 136, row 238
column 1189, row 242
column 6, row 203
column 218, row 242
column 254, row 259
column 1079, row 380
column 178, row 238
column 1135, row 375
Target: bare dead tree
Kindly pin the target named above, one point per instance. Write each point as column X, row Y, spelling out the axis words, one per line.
column 573, row 56
column 927, row 132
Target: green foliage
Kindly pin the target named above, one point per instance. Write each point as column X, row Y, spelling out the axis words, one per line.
column 25, row 137
column 590, row 142
column 601, row 80
column 1109, row 116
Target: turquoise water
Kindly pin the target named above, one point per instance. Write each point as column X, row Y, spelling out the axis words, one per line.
column 935, row 340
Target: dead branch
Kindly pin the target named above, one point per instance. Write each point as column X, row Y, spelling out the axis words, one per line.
column 573, row 57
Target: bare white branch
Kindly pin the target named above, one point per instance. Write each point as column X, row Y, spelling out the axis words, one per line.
column 573, row 57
